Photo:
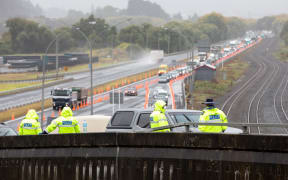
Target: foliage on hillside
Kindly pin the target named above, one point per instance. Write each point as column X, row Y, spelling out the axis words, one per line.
column 26, row 36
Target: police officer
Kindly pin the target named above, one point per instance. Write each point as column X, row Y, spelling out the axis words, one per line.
column 211, row 114
column 158, row 118
column 66, row 123
column 30, row 125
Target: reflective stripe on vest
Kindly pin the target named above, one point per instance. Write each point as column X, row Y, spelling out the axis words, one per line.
column 213, row 121
column 29, row 128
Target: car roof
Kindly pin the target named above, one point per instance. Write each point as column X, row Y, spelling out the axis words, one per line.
column 3, row 125
column 167, row 110
column 162, row 90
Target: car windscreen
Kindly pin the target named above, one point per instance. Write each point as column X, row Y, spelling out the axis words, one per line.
column 60, row 93
column 123, row 118
column 162, row 94
column 6, row 131
column 185, row 117
column 163, row 78
column 144, row 120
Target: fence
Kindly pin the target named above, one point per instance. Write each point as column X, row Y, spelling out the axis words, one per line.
column 144, row 156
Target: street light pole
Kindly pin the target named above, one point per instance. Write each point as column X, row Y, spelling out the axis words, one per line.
column 57, row 58
column 169, row 43
column 44, row 59
column 90, row 67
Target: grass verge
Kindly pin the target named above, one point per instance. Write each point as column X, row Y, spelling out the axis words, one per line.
column 21, row 111
column 225, row 79
column 282, row 53
column 13, row 86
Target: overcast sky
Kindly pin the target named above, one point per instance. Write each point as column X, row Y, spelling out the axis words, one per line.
column 243, row 8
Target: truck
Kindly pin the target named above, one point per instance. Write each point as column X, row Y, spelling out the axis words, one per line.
column 71, row 97
column 163, row 69
column 157, row 56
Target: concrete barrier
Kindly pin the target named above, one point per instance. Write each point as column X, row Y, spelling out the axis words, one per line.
column 144, row 156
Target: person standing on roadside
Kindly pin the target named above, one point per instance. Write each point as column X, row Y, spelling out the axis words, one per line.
column 211, row 114
column 66, row 123
column 158, row 118
column 30, row 125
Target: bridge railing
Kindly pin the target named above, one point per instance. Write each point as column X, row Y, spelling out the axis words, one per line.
column 243, row 126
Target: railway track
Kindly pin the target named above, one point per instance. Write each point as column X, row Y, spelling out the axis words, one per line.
column 262, row 96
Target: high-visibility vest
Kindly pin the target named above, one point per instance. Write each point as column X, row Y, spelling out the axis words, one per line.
column 65, row 125
column 29, row 127
column 213, row 115
column 158, row 119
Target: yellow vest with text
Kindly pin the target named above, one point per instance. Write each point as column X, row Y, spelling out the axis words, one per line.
column 30, row 125
column 158, row 119
column 213, row 115
column 66, row 123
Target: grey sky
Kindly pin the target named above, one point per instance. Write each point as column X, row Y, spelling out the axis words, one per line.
column 244, row 8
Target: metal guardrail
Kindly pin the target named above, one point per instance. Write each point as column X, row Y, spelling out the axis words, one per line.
column 244, row 126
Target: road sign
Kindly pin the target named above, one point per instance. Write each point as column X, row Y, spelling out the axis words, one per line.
column 190, row 63
column 116, row 97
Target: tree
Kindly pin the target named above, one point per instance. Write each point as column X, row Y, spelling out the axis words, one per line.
column 235, row 27
column 219, row 21
column 265, row 23
column 107, row 11
column 5, row 44
column 145, row 8
column 132, row 34
column 95, row 28
column 28, row 36
column 211, row 30
column 65, row 39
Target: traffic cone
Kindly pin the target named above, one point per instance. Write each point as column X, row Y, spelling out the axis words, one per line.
column 74, row 109
column 59, row 112
column 18, row 127
column 77, row 107
column 44, row 118
column 12, row 116
column 53, row 114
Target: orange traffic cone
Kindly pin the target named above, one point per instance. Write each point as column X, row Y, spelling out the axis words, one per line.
column 77, row 107
column 12, row 117
column 53, row 114
column 59, row 112
column 44, row 118
column 74, row 109
column 18, row 127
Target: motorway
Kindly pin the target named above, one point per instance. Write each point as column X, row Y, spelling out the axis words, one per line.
column 83, row 80
column 105, row 108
